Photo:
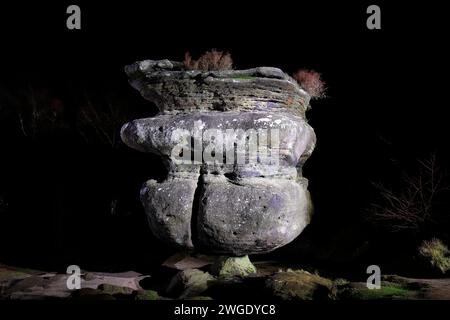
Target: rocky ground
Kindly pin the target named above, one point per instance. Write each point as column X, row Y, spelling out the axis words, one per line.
column 203, row 278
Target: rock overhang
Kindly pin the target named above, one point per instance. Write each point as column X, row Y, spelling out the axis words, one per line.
column 174, row 90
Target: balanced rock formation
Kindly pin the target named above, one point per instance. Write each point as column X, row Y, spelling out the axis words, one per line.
column 234, row 143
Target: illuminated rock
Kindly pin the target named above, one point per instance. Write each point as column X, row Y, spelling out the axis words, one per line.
column 234, row 143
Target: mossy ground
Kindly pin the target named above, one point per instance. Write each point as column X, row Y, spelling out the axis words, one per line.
column 9, row 273
column 385, row 292
column 147, row 295
column 272, row 281
column 233, row 266
column 388, row 291
column 299, row 285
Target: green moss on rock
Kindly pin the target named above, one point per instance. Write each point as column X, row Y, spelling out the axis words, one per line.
column 147, row 295
column 188, row 283
column 388, row 291
column 113, row 290
column 6, row 275
column 226, row 267
column 299, row 285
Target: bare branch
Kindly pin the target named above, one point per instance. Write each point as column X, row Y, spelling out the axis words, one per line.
column 412, row 207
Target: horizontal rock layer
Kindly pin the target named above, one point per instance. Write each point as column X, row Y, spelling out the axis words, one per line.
column 161, row 135
column 174, row 90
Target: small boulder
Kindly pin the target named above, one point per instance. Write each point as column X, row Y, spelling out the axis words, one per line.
column 146, row 295
column 188, row 283
column 299, row 285
column 226, row 267
column 184, row 261
column 110, row 289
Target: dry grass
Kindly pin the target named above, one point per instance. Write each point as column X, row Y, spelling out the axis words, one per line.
column 312, row 82
column 209, row 61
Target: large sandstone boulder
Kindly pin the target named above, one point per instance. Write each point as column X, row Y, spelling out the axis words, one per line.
column 234, row 143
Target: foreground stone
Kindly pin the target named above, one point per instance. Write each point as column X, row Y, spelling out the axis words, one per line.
column 24, row 284
column 188, row 283
column 267, row 283
column 114, row 290
column 184, row 261
column 299, row 285
column 233, row 267
column 147, row 295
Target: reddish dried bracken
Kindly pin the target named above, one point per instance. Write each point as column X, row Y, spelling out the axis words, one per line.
column 311, row 81
column 210, row 60
column 189, row 63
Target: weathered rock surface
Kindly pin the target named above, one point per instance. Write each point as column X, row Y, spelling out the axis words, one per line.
column 188, row 283
column 221, row 195
column 184, row 261
column 163, row 133
column 233, row 267
column 263, row 214
column 170, row 203
column 175, row 90
column 111, row 289
column 146, row 295
column 272, row 280
column 26, row 284
column 299, row 285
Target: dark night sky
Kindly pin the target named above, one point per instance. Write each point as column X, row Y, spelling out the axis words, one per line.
column 384, row 85
column 388, row 80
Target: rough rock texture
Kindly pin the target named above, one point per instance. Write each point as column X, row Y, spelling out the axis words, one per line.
column 264, row 213
column 170, row 203
column 175, row 90
column 220, row 197
column 147, row 295
column 111, row 289
column 188, row 283
column 233, row 267
column 25, row 284
column 299, row 285
column 184, row 261
column 164, row 132
column 273, row 280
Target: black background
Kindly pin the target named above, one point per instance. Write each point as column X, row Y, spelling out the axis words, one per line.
column 386, row 107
